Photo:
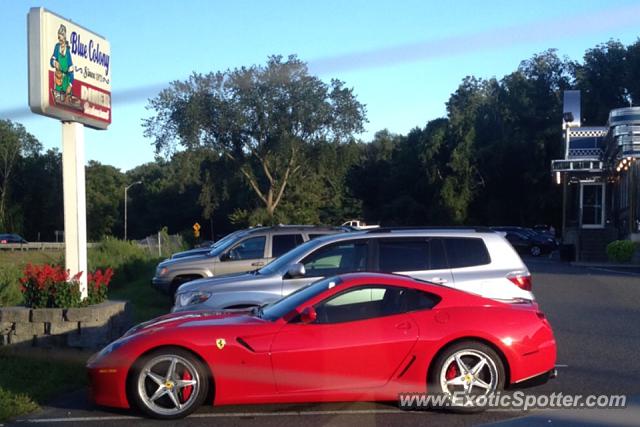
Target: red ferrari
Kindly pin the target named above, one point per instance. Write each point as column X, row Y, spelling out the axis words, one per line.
column 349, row 338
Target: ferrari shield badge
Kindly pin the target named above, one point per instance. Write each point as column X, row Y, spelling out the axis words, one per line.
column 220, row 343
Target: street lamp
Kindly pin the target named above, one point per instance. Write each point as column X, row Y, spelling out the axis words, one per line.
column 125, row 206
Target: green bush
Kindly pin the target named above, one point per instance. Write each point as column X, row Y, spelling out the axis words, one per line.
column 127, row 259
column 10, row 286
column 621, row 250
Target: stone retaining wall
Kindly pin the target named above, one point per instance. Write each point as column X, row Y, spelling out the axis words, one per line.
column 86, row 327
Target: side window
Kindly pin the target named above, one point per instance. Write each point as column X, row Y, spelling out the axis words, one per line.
column 252, row 248
column 438, row 259
column 396, row 255
column 373, row 301
column 282, row 243
column 466, row 252
column 403, row 255
column 342, row 257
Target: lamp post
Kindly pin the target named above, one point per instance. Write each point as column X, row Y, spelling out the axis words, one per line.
column 125, row 206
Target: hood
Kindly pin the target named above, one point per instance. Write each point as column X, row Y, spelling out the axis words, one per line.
column 227, row 280
column 191, row 252
column 197, row 318
column 193, row 260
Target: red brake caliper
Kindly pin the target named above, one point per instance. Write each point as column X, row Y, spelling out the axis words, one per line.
column 452, row 372
column 186, row 391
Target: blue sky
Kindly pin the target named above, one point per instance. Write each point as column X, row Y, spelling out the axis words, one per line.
column 403, row 58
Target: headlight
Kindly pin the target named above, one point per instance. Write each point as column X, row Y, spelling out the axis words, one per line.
column 162, row 271
column 111, row 347
column 192, row 298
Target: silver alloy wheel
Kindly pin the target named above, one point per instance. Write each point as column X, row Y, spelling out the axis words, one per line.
column 164, row 381
column 535, row 250
column 470, row 372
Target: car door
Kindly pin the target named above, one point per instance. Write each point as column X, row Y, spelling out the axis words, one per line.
column 423, row 258
column 359, row 340
column 468, row 258
column 246, row 255
column 330, row 260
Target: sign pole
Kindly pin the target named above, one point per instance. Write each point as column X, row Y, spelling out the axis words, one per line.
column 75, row 209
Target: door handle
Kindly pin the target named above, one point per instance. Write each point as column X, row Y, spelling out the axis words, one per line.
column 257, row 264
column 403, row 325
column 438, row 280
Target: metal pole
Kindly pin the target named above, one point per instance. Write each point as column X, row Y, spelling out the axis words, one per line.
column 75, row 206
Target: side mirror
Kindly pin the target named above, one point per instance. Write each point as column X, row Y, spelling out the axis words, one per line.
column 296, row 270
column 308, row 315
column 225, row 256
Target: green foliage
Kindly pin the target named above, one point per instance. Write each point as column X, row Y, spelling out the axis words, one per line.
column 263, row 118
column 10, row 286
column 621, row 250
column 127, row 259
column 105, row 188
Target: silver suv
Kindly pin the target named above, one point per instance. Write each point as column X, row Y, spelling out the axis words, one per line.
column 476, row 260
column 239, row 251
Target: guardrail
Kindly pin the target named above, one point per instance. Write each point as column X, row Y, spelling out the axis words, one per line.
column 37, row 246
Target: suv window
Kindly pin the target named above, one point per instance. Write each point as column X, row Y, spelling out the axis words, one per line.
column 252, row 248
column 341, row 257
column 411, row 255
column 466, row 252
column 373, row 301
column 283, row 243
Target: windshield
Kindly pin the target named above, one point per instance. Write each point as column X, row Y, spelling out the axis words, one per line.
column 281, row 263
column 287, row 304
column 224, row 243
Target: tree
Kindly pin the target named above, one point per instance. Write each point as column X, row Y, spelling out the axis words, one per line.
column 104, row 186
column 263, row 118
column 15, row 142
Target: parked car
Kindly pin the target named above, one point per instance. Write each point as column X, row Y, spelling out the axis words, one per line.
column 529, row 242
column 11, row 238
column 240, row 251
column 475, row 260
column 205, row 249
column 354, row 337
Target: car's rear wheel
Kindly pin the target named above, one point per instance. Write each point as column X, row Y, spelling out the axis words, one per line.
column 464, row 372
column 169, row 383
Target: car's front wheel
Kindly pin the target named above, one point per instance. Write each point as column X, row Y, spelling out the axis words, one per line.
column 466, row 371
column 535, row 250
column 169, row 383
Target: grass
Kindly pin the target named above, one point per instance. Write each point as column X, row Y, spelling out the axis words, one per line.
column 28, row 378
column 147, row 302
column 22, row 258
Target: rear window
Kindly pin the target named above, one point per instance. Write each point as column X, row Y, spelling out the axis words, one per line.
column 466, row 252
column 283, row 243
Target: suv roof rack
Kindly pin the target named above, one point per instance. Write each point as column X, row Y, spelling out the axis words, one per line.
column 432, row 228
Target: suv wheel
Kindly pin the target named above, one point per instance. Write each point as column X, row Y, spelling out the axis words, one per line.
column 535, row 250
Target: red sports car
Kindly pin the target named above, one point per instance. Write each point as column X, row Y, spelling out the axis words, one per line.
column 354, row 337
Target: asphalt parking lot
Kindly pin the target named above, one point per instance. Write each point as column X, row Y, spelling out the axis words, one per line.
column 595, row 314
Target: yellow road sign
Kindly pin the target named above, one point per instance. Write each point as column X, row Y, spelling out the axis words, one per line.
column 196, row 227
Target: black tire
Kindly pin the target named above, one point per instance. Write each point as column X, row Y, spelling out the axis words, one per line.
column 535, row 250
column 163, row 407
column 493, row 374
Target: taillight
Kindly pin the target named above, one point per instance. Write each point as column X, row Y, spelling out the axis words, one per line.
column 521, row 280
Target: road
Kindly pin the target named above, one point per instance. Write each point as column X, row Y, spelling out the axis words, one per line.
column 596, row 317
